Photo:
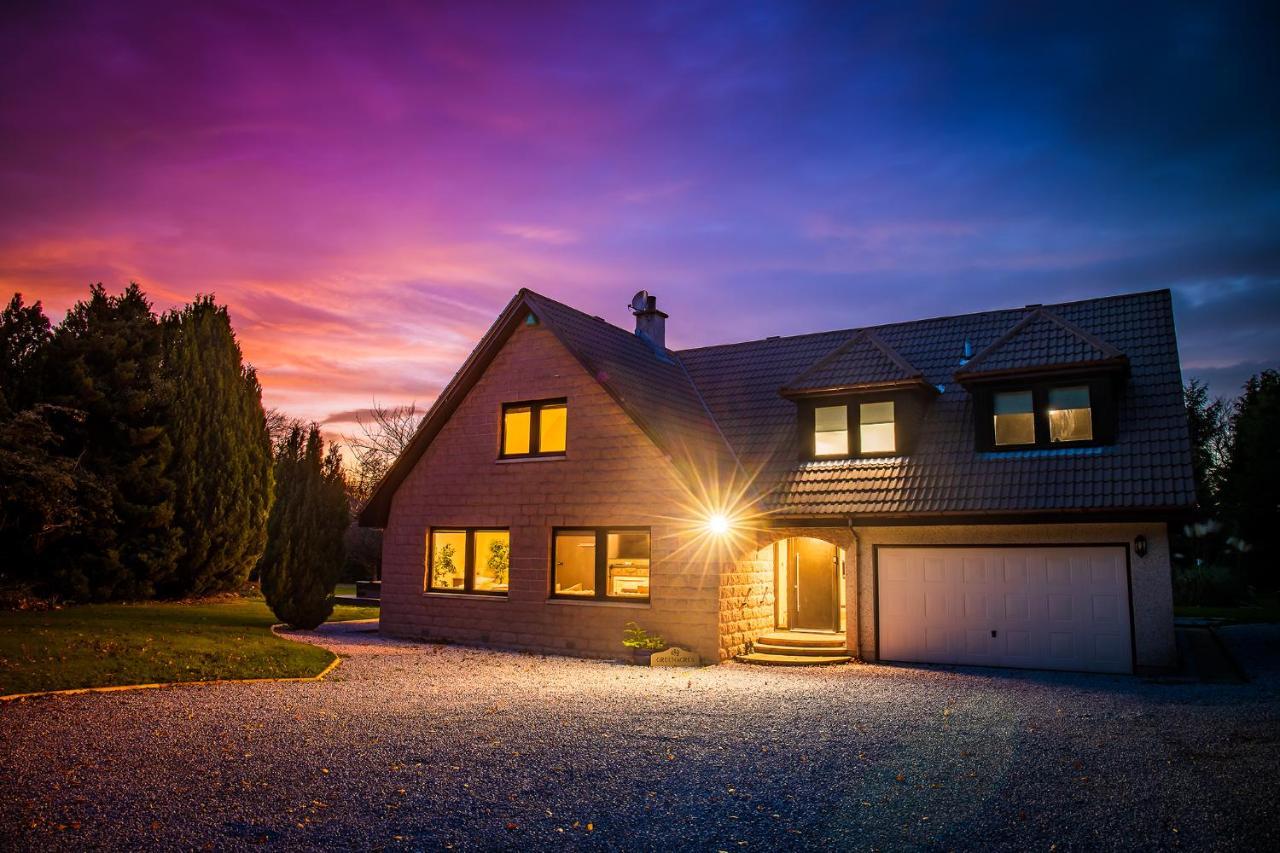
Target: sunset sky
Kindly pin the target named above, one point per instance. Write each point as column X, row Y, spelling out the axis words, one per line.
column 367, row 184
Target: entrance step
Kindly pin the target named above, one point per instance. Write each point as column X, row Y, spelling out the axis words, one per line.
column 793, row 660
column 836, row 648
column 798, row 648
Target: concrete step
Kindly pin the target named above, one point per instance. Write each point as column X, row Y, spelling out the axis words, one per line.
column 802, row 651
column 800, row 639
column 793, row 660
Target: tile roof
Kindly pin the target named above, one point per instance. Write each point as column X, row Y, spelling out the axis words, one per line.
column 1040, row 339
column 1148, row 467
column 863, row 360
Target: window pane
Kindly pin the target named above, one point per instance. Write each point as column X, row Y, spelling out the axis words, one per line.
column 831, row 443
column 448, row 559
column 515, row 431
column 877, row 427
column 1070, row 418
column 575, row 564
column 551, row 428
column 628, row 565
column 1016, row 429
column 877, row 438
column 876, row 413
column 493, row 560
column 830, row 419
column 1013, row 402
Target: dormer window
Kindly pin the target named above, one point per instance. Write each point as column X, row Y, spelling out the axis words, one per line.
column 538, row 428
column 1015, row 418
column 1046, row 414
column 875, row 428
column 1070, row 416
column 831, row 431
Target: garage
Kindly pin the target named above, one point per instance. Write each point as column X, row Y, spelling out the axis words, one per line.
column 1034, row 607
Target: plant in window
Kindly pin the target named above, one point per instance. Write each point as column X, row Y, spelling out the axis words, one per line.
column 444, row 569
column 499, row 561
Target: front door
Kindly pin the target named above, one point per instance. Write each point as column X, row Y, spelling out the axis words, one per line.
column 816, row 598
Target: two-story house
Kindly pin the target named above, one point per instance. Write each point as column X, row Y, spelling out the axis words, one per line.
column 992, row 488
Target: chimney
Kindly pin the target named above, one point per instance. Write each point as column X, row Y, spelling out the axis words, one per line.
column 651, row 324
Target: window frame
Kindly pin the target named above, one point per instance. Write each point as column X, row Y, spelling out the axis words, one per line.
column 1102, row 413
column 468, row 561
column 535, row 408
column 907, row 411
column 848, row 437
column 602, row 563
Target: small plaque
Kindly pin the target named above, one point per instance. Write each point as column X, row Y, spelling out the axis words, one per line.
column 675, row 656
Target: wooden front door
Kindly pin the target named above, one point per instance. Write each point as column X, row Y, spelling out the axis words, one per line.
column 815, row 597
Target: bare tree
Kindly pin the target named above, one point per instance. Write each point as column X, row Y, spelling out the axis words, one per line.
column 384, row 435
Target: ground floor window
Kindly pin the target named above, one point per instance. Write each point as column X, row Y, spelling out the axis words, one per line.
column 608, row 563
column 469, row 559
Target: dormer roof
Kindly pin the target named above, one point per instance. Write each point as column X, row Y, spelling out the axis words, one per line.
column 1041, row 342
column 863, row 362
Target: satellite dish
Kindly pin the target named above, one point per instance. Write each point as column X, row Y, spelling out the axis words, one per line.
column 640, row 302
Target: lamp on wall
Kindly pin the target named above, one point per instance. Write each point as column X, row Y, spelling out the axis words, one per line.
column 1140, row 545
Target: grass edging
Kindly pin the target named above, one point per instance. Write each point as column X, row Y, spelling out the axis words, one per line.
column 116, row 688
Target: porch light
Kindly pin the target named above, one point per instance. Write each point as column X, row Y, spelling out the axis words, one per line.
column 718, row 524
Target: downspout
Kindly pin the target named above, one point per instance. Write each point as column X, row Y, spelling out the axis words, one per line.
column 851, row 624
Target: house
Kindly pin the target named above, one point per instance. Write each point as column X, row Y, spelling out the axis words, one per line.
column 992, row 488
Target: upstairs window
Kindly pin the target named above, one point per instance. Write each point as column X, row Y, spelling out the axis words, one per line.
column 1070, row 416
column 538, row 428
column 831, row 431
column 875, row 428
column 1015, row 418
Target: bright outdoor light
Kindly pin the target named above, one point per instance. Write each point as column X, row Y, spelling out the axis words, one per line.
column 718, row 524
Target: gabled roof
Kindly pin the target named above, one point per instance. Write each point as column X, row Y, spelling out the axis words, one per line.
column 1041, row 341
column 652, row 388
column 862, row 362
column 717, row 411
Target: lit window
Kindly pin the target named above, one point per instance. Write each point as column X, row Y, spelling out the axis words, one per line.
column 516, row 431
column 1015, row 418
column 448, row 569
column 552, row 424
column 875, row 423
column 469, row 560
column 601, row 563
column 534, row 429
column 831, row 431
column 1070, row 417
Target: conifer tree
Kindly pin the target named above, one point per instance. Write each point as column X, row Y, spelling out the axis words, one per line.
column 304, row 535
column 106, row 360
column 221, row 464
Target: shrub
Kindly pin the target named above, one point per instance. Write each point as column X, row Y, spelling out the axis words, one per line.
column 1207, row 585
column 635, row 637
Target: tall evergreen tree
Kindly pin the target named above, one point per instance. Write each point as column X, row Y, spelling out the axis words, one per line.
column 106, row 359
column 304, row 535
column 25, row 334
column 221, row 463
column 1207, row 424
column 1251, row 481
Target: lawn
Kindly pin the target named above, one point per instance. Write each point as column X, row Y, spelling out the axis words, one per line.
column 97, row 645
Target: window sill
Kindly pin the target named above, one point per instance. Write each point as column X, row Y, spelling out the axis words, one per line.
column 595, row 602
column 507, row 460
column 469, row 596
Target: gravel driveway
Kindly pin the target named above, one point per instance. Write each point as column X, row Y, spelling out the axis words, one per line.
column 421, row 746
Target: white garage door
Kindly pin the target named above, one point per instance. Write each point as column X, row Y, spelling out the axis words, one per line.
column 1042, row 608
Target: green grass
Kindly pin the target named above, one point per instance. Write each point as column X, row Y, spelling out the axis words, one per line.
column 345, row 589
column 1267, row 610
column 98, row 645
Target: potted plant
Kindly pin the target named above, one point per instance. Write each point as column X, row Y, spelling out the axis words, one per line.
column 641, row 643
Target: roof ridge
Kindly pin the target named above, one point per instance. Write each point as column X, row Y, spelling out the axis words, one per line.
column 936, row 319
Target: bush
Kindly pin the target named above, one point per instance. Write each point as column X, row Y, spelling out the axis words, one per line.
column 1207, row 585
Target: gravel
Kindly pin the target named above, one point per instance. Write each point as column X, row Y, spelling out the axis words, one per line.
column 424, row 746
